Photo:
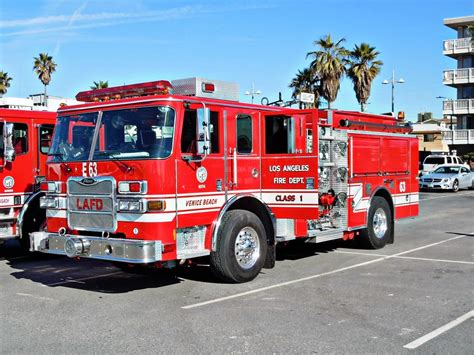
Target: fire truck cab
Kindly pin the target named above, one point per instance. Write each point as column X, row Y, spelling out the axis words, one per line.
column 160, row 172
column 26, row 137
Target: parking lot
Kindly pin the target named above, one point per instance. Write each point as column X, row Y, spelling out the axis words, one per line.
column 416, row 295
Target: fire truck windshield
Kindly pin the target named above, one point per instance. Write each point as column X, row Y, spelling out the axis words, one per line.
column 138, row 133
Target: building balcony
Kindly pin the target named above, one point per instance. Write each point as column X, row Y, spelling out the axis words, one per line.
column 458, row 107
column 459, row 136
column 458, row 76
column 454, row 47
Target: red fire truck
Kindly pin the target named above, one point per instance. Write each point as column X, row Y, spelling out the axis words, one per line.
column 161, row 172
column 26, row 140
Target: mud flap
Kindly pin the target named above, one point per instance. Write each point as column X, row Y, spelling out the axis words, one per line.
column 270, row 257
column 391, row 240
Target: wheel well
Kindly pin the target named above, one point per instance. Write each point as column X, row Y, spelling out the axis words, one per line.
column 260, row 210
column 31, row 206
column 386, row 195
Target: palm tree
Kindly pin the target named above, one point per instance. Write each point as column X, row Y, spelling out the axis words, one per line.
column 44, row 66
column 306, row 81
column 100, row 85
column 329, row 63
column 362, row 68
column 4, row 82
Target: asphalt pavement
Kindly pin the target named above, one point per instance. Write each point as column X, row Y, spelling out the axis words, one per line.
column 415, row 296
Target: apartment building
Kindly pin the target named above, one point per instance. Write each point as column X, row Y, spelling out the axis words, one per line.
column 460, row 108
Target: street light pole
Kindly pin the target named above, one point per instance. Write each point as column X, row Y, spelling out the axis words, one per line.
column 253, row 93
column 393, row 82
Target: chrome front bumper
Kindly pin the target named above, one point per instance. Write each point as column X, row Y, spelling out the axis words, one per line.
column 112, row 249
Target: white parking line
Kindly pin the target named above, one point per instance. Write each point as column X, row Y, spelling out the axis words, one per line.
column 33, row 296
column 83, row 279
column 407, row 257
column 420, row 341
column 315, row 276
column 445, row 196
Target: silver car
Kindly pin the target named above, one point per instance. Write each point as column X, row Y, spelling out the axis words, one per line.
column 448, row 177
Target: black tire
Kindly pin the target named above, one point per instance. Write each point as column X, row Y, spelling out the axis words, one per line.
column 455, row 186
column 378, row 232
column 34, row 221
column 239, row 226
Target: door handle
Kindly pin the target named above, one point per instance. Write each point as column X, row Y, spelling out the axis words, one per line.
column 234, row 157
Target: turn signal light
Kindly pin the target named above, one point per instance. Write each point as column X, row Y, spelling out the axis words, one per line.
column 157, row 205
column 50, row 186
column 132, row 187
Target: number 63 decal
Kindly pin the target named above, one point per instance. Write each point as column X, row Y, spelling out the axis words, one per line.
column 89, row 169
column 403, row 186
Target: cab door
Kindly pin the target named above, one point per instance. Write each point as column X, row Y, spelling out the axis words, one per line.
column 200, row 179
column 45, row 134
column 290, row 164
column 243, row 153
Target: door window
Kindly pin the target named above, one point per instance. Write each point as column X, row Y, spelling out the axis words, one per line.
column 20, row 138
column 244, row 134
column 188, row 134
column 279, row 135
column 45, row 135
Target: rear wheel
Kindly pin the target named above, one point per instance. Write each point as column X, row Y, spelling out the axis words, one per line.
column 379, row 224
column 241, row 247
column 455, row 186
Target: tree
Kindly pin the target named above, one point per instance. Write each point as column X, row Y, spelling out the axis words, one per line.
column 329, row 63
column 4, row 82
column 44, row 66
column 362, row 68
column 306, row 81
column 100, row 85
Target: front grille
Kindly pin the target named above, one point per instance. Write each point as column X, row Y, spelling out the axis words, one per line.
column 91, row 204
column 91, row 221
column 427, row 180
column 436, row 180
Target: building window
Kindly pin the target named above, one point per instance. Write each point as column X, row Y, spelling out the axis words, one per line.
column 430, row 137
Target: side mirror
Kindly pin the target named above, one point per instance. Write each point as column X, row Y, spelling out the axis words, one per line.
column 8, row 150
column 203, row 136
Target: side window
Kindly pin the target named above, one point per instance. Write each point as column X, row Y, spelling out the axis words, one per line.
column 214, row 132
column 20, row 138
column 188, row 135
column 45, row 135
column 244, row 134
column 465, row 170
column 449, row 160
column 279, row 135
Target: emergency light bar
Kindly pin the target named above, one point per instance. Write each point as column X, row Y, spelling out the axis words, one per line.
column 160, row 87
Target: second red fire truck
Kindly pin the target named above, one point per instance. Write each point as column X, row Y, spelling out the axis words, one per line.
column 160, row 172
column 26, row 137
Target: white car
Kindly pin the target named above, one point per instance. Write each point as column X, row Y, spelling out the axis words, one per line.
column 432, row 161
column 448, row 177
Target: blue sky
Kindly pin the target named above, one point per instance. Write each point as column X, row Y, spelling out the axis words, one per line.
column 262, row 42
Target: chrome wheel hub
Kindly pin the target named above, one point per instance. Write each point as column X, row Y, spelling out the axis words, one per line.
column 247, row 248
column 379, row 223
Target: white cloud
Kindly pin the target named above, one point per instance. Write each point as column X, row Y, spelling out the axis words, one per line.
column 78, row 20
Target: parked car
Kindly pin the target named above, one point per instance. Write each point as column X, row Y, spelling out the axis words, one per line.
column 448, row 177
column 432, row 161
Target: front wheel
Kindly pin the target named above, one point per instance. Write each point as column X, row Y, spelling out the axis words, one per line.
column 241, row 247
column 455, row 186
column 379, row 224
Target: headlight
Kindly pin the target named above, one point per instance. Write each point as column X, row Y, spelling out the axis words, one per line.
column 49, row 202
column 129, row 205
column 446, row 180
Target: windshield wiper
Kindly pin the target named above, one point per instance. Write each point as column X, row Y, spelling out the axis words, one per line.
column 115, row 159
